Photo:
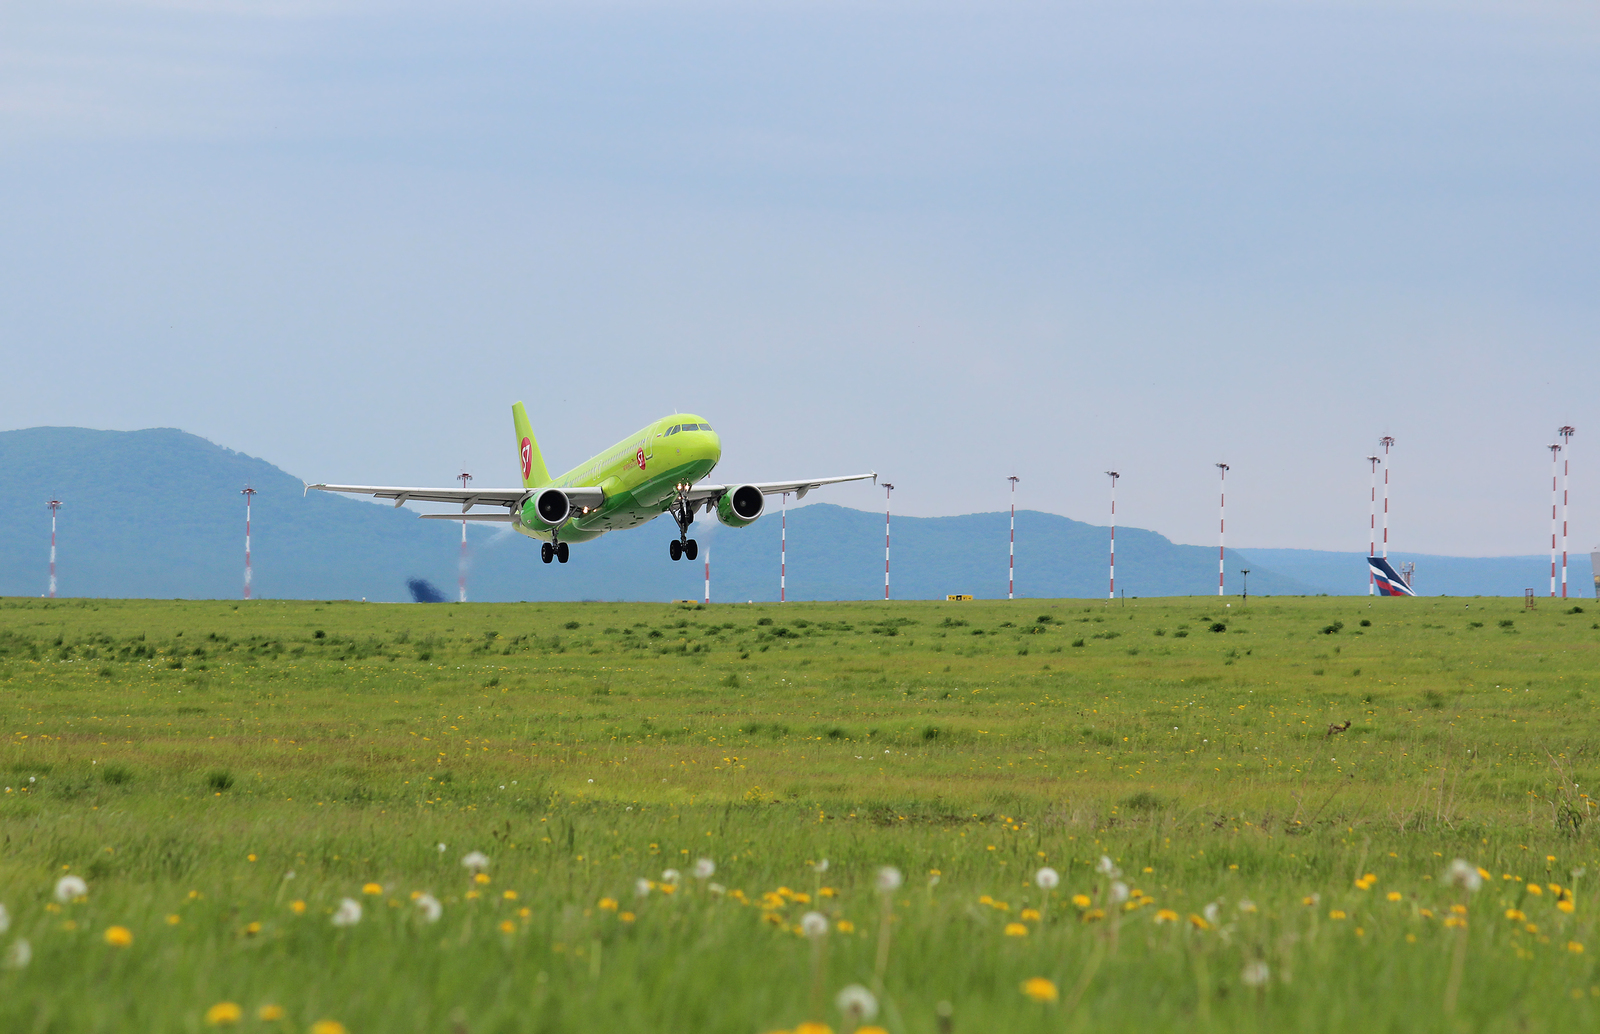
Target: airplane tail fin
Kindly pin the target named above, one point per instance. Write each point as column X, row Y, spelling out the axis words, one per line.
column 1387, row 578
column 529, row 458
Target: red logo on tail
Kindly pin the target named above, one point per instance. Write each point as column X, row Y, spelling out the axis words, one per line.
column 527, row 458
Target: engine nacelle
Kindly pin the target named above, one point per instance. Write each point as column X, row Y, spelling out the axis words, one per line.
column 741, row 506
column 548, row 510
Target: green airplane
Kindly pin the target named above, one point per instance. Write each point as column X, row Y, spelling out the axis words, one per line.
column 651, row 472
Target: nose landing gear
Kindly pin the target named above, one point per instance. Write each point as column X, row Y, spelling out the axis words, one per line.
column 683, row 512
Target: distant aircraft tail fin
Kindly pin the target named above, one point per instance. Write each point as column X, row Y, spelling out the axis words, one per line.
column 1388, row 579
column 529, row 459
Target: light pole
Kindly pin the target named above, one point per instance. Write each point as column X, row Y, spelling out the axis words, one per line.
column 248, row 493
column 461, row 574
column 1372, row 527
column 1555, row 468
column 1387, row 443
column 54, row 504
column 887, row 489
column 1566, row 434
column 783, row 553
column 1222, row 524
column 1112, row 594
column 1011, row 563
column 1246, row 572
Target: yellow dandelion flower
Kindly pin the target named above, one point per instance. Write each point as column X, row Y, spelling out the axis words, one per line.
column 1575, row 947
column 1459, row 909
column 372, row 888
column 1030, row 915
column 813, row 1028
column 1531, row 928
column 1337, row 913
column 473, row 895
column 252, row 929
column 1166, row 915
column 1094, row 915
column 626, row 917
column 1081, row 900
column 1554, row 888
column 524, row 913
column 986, row 900
column 1567, row 905
column 1198, row 922
column 1454, row 922
column 510, row 895
column 480, row 878
column 1393, row 895
column 174, row 919
column 845, row 926
column 1426, row 913
column 270, row 1012
column 800, row 899
column 827, row 892
column 874, row 1029
column 1515, row 915
column 118, row 936
column 1310, row 900
column 1016, row 930
column 328, row 1027
column 224, row 1012
column 297, row 907
column 772, row 917
column 608, row 904
column 250, row 857
column 1040, row 989
column 1535, row 889
column 669, row 888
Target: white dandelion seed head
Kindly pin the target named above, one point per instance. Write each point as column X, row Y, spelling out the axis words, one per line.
column 856, row 1002
column 641, row 888
column 70, row 887
column 441, row 849
column 821, row 866
column 429, row 909
column 814, row 925
column 670, row 876
column 5, row 919
column 1119, row 892
column 716, row 889
column 704, row 869
column 348, row 912
column 889, row 880
column 933, row 879
column 1463, row 873
column 1212, row 912
column 1047, row 879
column 1106, row 867
column 477, row 861
column 19, row 954
column 1255, row 974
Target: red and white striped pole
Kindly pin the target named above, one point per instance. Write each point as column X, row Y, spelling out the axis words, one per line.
column 1011, row 563
column 1222, row 525
column 1555, row 469
column 247, row 493
column 1113, row 592
column 783, row 552
column 887, row 488
column 1372, row 526
column 461, row 573
column 54, row 504
column 708, row 574
column 1566, row 434
column 1386, row 442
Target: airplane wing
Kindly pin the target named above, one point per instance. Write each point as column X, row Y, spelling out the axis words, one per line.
column 711, row 493
column 510, row 498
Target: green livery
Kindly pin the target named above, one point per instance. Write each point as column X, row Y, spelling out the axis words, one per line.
column 653, row 471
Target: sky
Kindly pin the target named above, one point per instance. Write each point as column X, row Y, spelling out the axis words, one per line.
column 949, row 242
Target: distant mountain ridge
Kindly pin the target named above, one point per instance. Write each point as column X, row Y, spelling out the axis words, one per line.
column 158, row 513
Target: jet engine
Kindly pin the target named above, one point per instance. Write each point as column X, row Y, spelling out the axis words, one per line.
column 548, row 510
column 741, row 506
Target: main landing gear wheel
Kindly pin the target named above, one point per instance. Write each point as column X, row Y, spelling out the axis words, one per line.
column 675, row 549
column 546, row 551
column 691, row 549
column 561, row 552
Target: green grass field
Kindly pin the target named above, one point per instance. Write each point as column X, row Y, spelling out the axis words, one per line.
column 222, row 776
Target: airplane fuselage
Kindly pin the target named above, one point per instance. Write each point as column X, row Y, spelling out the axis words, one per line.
column 639, row 475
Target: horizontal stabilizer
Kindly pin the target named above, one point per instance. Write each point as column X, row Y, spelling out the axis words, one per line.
column 1387, row 578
